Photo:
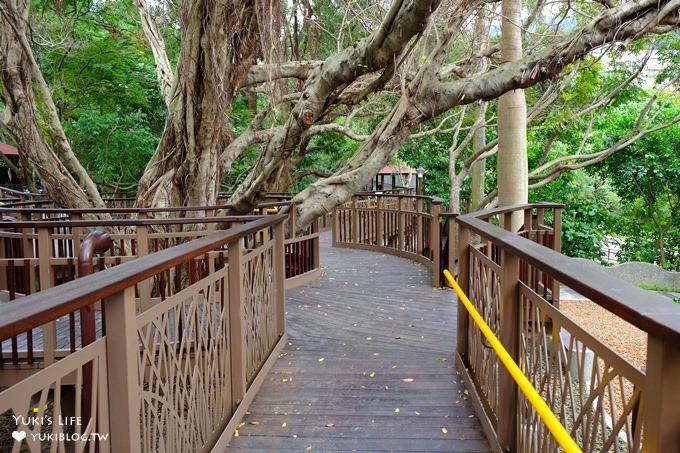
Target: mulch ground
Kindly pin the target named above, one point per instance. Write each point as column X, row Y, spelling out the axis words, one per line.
column 621, row 336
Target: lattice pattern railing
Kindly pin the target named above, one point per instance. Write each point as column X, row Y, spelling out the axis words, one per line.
column 605, row 402
column 181, row 370
column 594, row 392
column 402, row 225
column 186, row 395
column 49, row 408
column 485, row 294
column 35, row 256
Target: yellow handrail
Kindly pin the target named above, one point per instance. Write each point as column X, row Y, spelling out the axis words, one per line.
column 558, row 431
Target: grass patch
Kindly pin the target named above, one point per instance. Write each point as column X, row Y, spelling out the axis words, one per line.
column 665, row 289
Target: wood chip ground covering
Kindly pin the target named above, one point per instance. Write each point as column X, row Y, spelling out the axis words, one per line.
column 621, row 336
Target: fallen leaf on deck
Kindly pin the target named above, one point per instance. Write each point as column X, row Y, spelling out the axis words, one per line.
column 321, row 359
column 396, row 411
column 255, row 423
column 329, row 425
column 445, row 431
column 236, row 434
column 284, row 424
column 441, row 359
column 408, row 380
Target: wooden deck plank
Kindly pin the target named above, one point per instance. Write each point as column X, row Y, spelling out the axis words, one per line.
column 368, row 366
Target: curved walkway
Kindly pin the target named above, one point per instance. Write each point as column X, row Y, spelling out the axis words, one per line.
column 368, row 367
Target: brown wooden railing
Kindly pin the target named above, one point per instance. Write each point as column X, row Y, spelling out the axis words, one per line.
column 403, row 225
column 171, row 376
column 37, row 255
column 605, row 402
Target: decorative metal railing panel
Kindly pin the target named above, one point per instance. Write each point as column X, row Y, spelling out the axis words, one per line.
column 184, row 367
column 49, row 410
column 403, row 225
column 484, row 293
column 595, row 392
column 181, row 369
column 259, row 307
column 604, row 402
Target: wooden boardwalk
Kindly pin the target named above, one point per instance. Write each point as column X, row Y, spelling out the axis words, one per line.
column 368, row 367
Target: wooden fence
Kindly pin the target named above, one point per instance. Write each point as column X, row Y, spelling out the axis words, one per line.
column 170, row 376
column 605, row 402
column 402, row 225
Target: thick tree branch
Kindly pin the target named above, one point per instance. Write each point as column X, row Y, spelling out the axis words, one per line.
column 268, row 72
column 311, row 172
column 155, row 39
column 627, row 21
column 405, row 20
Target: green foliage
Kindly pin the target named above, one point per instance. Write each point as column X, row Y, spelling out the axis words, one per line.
column 587, row 213
column 647, row 177
column 96, row 60
column 652, row 287
column 112, row 146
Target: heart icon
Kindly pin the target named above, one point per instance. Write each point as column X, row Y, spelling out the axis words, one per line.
column 19, row 435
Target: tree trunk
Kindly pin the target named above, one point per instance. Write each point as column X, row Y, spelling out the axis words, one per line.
column 155, row 39
column 478, row 169
column 218, row 40
column 512, row 114
column 20, row 76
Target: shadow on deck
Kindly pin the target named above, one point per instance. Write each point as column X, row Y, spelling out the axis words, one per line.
column 369, row 365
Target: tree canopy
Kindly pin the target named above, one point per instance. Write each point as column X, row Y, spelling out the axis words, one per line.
column 185, row 98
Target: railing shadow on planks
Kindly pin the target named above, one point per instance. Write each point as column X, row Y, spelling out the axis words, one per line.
column 190, row 321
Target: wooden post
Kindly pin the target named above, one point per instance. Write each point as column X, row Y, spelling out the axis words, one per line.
column 419, row 227
column 335, row 224
column 45, row 271
column 435, row 244
column 463, row 319
column 4, row 271
column 279, row 277
column 292, row 219
column 316, row 260
column 557, row 230
column 660, row 408
column 76, row 236
column 453, row 245
column 122, row 351
column 509, row 336
column 355, row 221
column 236, row 328
column 557, row 246
column 142, row 234
column 527, row 220
column 381, row 222
column 402, row 226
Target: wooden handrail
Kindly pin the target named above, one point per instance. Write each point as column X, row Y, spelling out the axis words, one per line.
column 47, row 305
column 435, row 200
column 647, row 311
column 125, row 210
column 126, row 222
column 108, row 210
